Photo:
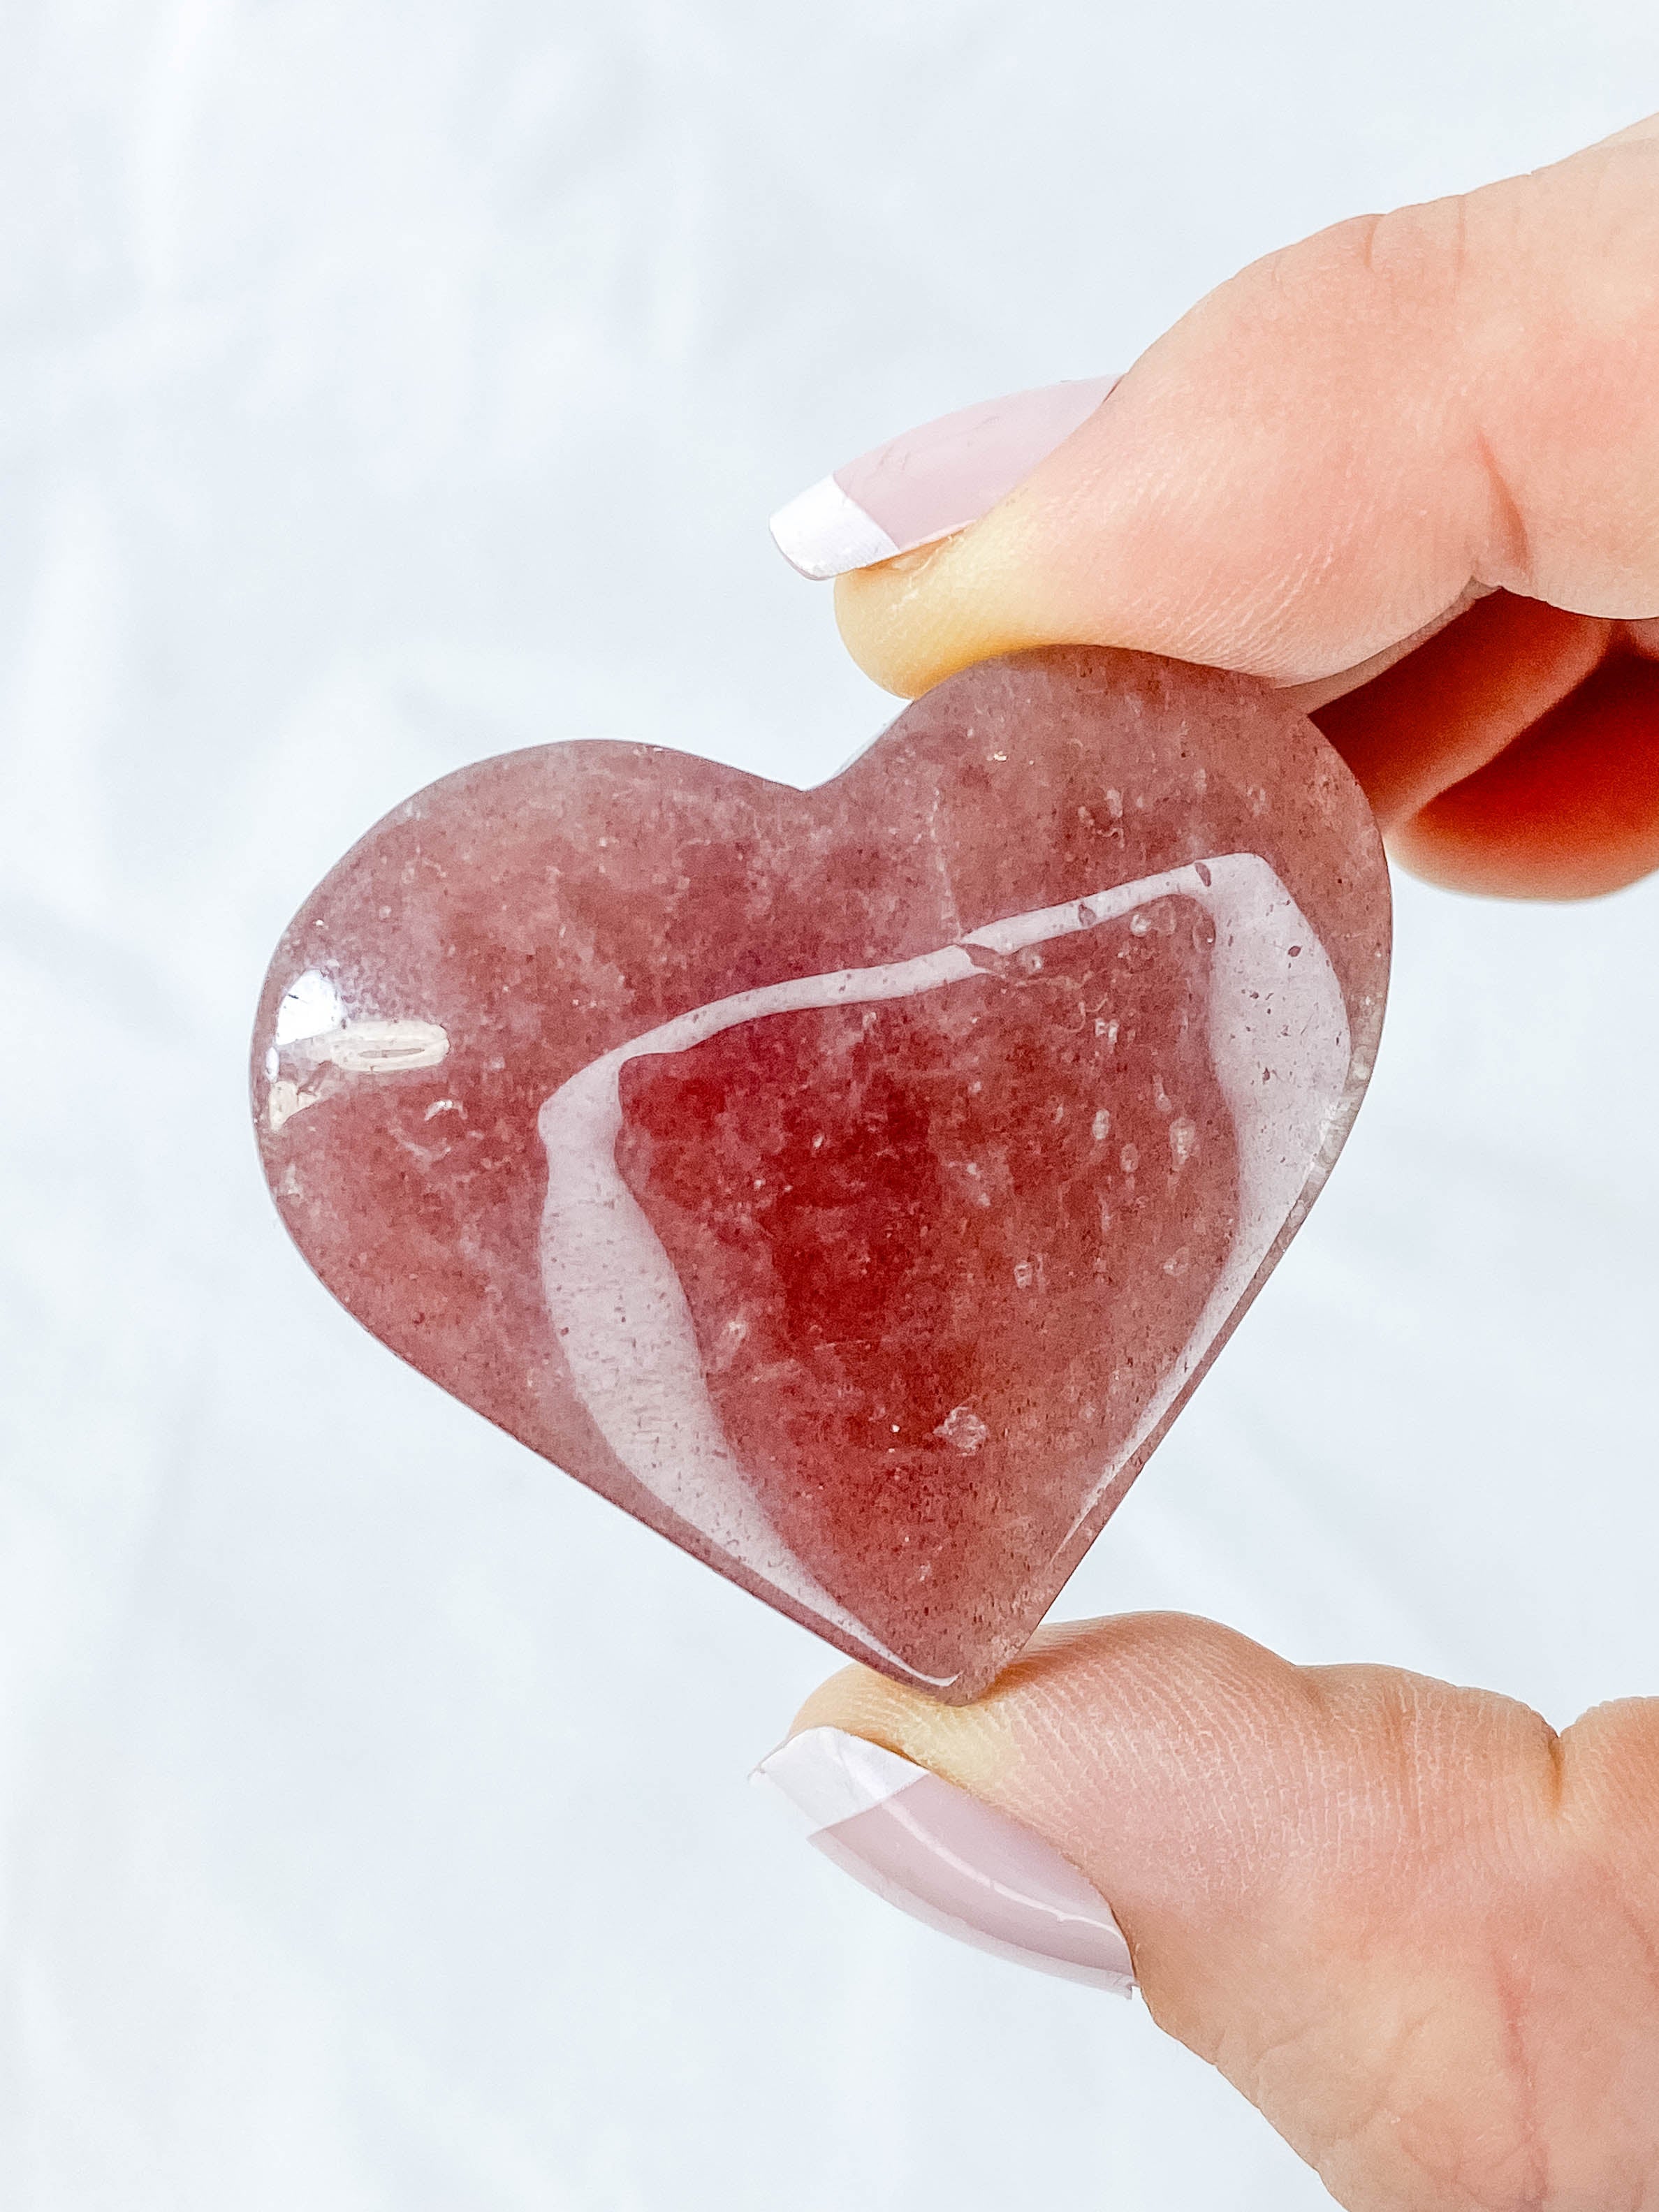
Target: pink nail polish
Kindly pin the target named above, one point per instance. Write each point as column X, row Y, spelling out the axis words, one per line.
column 938, row 1854
column 929, row 482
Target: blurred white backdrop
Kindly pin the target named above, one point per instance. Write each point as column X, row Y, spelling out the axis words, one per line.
column 382, row 386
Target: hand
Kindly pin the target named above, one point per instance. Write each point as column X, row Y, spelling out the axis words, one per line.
column 1410, row 467
column 1333, row 454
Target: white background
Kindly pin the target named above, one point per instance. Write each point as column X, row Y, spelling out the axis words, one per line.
column 385, row 384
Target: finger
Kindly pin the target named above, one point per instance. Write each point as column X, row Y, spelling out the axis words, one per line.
column 1408, row 1922
column 1647, row 128
column 1452, row 706
column 1320, row 457
column 1311, row 696
column 1569, row 811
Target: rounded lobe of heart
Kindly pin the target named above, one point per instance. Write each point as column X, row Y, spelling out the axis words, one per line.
column 851, row 1183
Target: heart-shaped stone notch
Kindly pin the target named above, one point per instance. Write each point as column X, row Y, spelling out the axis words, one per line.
column 852, row 1183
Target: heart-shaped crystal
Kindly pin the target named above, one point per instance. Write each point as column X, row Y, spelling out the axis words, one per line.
column 853, row 1183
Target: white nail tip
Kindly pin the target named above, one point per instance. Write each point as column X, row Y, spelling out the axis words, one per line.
column 823, row 533
column 827, row 1775
column 945, row 1859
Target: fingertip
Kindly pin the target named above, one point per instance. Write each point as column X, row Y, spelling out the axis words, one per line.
column 910, row 623
column 951, row 1741
column 945, row 1856
column 864, row 599
column 1086, row 1704
column 1098, row 1742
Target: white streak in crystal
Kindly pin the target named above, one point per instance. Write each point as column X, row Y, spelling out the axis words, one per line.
column 621, row 1316
column 311, row 1030
column 1280, row 1046
column 284, row 1100
column 382, row 1048
column 1279, row 1043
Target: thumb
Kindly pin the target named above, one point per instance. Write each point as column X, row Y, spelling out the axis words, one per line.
column 1411, row 1924
column 1321, row 457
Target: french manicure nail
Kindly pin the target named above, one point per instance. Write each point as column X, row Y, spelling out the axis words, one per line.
column 929, row 482
column 940, row 1855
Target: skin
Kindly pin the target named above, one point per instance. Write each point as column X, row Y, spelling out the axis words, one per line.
column 1410, row 469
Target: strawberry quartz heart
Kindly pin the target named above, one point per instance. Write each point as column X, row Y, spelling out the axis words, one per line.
column 852, row 1183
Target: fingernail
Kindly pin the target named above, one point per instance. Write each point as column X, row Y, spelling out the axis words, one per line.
column 940, row 1856
column 926, row 484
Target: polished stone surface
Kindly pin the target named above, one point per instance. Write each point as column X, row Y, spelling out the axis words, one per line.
column 851, row 1183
